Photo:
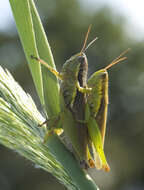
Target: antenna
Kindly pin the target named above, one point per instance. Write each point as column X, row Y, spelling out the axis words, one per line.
column 118, row 59
column 84, row 48
column 90, row 44
column 86, row 38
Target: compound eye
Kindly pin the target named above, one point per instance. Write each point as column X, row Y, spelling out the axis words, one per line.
column 81, row 59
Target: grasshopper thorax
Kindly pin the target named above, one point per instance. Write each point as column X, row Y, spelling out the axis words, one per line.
column 82, row 75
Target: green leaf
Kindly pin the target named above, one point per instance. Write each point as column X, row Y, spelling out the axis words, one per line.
column 19, row 119
column 34, row 42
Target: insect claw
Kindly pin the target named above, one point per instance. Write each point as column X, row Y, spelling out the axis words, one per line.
column 84, row 165
column 40, row 125
column 91, row 163
column 106, row 168
column 33, row 57
column 88, row 90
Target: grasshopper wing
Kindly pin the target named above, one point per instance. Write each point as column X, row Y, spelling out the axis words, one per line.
column 96, row 139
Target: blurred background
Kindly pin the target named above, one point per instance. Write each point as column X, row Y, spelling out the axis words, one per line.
column 118, row 25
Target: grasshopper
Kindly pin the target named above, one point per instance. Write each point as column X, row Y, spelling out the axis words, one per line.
column 73, row 90
column 96, row 111
column 83, row 108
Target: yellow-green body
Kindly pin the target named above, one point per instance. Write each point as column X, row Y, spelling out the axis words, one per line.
column 96, row 115
column 84, row 107
column 81, row 106
column 72, row 95
column 98, row 98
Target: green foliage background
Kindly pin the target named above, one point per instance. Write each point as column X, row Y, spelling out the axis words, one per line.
column 66, row 23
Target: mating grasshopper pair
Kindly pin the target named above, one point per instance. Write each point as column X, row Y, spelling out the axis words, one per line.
column 83, row 108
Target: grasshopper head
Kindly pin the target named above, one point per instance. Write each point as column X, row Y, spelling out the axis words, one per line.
column 76, row 67
column 96, row 77
column 79, row 57
column 81, row 60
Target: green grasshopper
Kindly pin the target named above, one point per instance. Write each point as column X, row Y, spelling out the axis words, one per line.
column 73, row 91
column 83, row 109
column 96, row 111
